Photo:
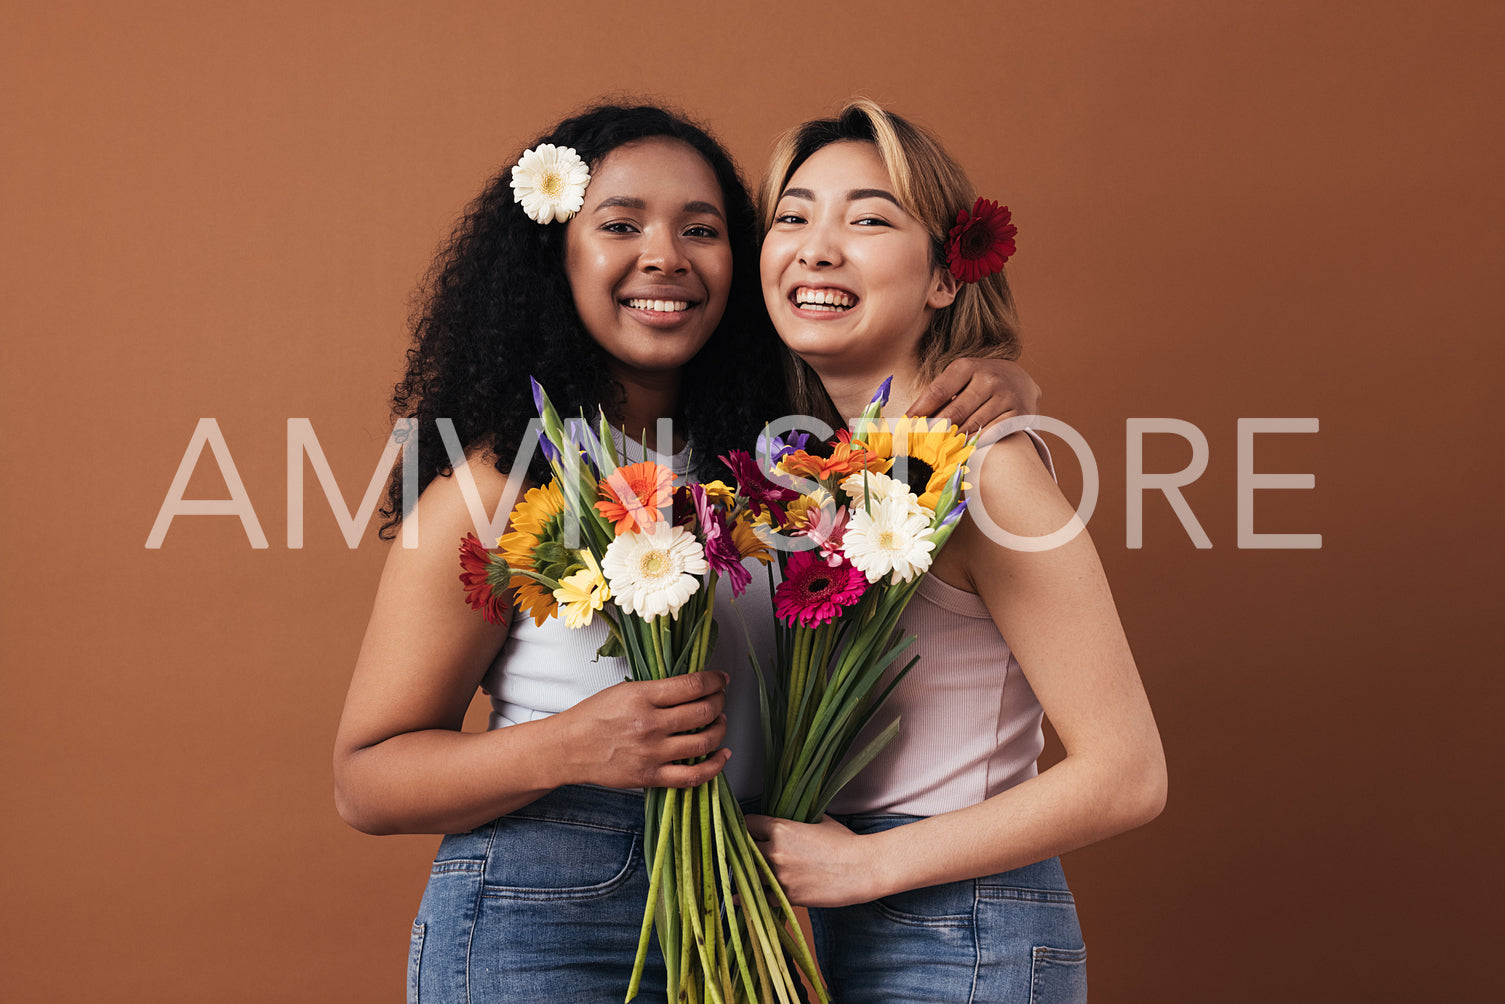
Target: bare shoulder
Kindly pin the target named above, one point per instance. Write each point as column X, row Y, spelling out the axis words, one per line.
column 1013, row 490
column 468, row 495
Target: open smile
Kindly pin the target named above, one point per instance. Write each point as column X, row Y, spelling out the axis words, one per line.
column 823, row 299
column 658, row 306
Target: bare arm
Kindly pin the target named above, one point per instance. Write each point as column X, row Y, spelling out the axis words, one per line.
column 974, row 393
column 1057, row 612
column 401, row 763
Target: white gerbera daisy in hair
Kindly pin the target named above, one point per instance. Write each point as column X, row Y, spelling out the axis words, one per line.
column 857, row 486
column 550, row 183
column 890, row 538
column 652, row 572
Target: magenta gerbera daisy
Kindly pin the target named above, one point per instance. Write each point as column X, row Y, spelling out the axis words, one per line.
column 813, row 593
column 760, row 492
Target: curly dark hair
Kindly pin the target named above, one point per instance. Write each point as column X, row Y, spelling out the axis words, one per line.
column 496, row 308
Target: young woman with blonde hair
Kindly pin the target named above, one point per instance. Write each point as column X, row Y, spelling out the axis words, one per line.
column 938, row 877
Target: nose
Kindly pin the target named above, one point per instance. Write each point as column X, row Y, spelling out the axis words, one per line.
column 817, row 248
column 662, row 253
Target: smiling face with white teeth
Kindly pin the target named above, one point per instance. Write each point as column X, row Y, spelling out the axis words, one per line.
column 848, row 275
column 648, row 258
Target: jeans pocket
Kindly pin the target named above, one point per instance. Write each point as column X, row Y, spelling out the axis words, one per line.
column 1058, row 975
column 947, row 905
column 415, row 959
column 555, row 859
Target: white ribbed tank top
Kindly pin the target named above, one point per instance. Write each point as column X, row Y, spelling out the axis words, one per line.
column 545, row 669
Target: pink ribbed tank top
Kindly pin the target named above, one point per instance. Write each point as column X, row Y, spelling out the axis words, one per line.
column 971, row 726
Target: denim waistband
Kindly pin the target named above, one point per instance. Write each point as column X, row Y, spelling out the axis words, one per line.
column 588, row 805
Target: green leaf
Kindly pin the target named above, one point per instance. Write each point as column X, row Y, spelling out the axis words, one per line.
column 854, row 766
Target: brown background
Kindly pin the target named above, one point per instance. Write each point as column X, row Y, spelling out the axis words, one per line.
column 1226, row 210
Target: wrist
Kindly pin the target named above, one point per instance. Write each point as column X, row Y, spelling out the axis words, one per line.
column 882, row 864
column 558, row 749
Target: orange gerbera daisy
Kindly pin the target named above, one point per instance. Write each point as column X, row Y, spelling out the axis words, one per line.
column 635, row 494
column 925, row 454
column 847, row 457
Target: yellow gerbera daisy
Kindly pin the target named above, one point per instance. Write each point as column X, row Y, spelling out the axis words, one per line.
column 749, row 543
column 719, row 493
column 925, row 453
column 582, row 594
column 533, row 544
column 799, row 509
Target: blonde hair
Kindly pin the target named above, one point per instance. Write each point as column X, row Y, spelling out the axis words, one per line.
column 933, row 188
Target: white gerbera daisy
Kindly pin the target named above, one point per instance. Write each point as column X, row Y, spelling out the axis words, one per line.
column 550, row 183
column 652, row 572
column 883, row 488
column 890, row 538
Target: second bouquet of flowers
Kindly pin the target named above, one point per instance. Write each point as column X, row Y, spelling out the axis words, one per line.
column 623, row 543
column 871, row 510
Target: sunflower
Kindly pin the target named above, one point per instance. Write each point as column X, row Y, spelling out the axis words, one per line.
column 534, row 544
column 925, row 454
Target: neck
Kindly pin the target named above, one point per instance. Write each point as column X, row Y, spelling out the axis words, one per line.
column 650, row 397
column 851, row 392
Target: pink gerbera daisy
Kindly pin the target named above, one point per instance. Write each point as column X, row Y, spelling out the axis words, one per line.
column 813, row 593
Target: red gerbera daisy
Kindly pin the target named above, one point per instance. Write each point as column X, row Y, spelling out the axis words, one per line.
column 981, row 241
column 813, row 593
column 476, row 575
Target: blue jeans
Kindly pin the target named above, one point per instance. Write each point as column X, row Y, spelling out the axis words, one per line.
column 1011, row 938
column 543, row 904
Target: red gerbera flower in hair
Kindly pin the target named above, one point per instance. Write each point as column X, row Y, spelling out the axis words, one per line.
column 981, row 241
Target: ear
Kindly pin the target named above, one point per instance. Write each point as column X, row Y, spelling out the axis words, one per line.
column 944, row 290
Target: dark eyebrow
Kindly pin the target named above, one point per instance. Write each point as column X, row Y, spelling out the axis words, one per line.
column 625, row 201
column 628, row 202
column 704, row 207
column 870, row 193
column 852, row 196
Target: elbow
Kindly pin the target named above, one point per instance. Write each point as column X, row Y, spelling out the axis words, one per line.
column 357, row 811
column 351, row 811
column 1145, row 789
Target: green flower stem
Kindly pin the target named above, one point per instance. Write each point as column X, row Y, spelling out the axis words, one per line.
column 710, row 917
column 758, row 922
column 660, row 852
column 735, row 923
column 802, row 955
column 750, row 860
column 687, row 899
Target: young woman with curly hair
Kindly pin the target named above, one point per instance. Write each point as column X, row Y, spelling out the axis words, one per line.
column 645, row 304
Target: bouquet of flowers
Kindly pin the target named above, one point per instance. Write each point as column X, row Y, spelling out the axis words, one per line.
column 875, row 508
column 621, row 542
